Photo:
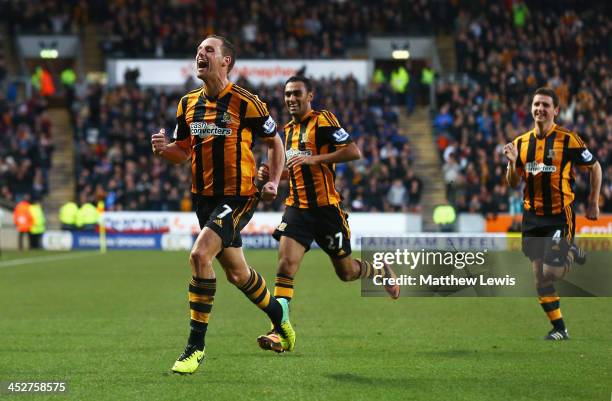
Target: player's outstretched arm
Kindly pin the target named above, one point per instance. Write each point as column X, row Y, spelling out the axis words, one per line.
column 168, row 151
column 344, row 154
column 592, row 212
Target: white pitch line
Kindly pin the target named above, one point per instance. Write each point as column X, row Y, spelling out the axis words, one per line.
column 43, row 259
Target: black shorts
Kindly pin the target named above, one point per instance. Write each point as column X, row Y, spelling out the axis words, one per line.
column 327, row 225
column 225, row 215
column 548, row 238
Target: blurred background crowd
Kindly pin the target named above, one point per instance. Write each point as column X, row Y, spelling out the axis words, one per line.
column 504, row 52
column 113, row 127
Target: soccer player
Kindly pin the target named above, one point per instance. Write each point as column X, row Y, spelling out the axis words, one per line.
column 543, row 158
column 314, row 142
column 216, row 126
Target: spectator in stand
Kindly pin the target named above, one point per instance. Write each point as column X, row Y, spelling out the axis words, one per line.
column 397, row 195
column 415, row 190
column 443, row 119
column 452, row 172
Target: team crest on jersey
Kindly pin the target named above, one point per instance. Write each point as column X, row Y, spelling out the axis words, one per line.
column 537, row 168
column 204, row 129
column 551, row 153
column 227, row 117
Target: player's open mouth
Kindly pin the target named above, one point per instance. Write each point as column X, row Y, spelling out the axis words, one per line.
column 202, row 64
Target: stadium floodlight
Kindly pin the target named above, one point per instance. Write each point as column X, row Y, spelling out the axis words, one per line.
column 400, row 54
column 49, row 53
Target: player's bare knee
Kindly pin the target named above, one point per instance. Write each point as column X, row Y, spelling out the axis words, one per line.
column 200, row 260
column 548, row 273
column 553, row 273
column 287, row 265
column 236, row 277
column 232, row 277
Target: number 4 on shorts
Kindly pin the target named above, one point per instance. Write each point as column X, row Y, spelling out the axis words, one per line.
column 557, row 236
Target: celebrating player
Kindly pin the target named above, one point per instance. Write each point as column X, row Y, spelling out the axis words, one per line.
column 544, row 158
column 314, row 142
column 216, row 125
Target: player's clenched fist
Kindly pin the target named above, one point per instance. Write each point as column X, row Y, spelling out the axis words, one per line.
column 268, row 191
column 511, row 152
column 159, row 142
column 263, row 173
column 592, row 212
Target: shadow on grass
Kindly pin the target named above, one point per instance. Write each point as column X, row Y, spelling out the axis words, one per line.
column 454, row 353
column 353, row 378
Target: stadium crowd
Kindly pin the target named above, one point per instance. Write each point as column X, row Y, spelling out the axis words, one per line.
column 263, row 29
column 113, row 127
column 504, row 52
column 505, row 55
column 45, row 16
column 27, row 146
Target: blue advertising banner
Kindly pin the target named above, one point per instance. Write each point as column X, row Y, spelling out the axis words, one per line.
column 91, row 240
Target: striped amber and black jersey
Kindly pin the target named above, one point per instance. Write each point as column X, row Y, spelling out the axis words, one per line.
column 319, row 132
column 219, row 133
column 546, row 167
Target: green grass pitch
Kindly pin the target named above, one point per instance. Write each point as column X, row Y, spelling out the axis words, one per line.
column 112, row 325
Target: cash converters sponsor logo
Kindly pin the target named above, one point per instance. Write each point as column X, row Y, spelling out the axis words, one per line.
column 537, row 168
column 295, row 152
column 204, row 130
